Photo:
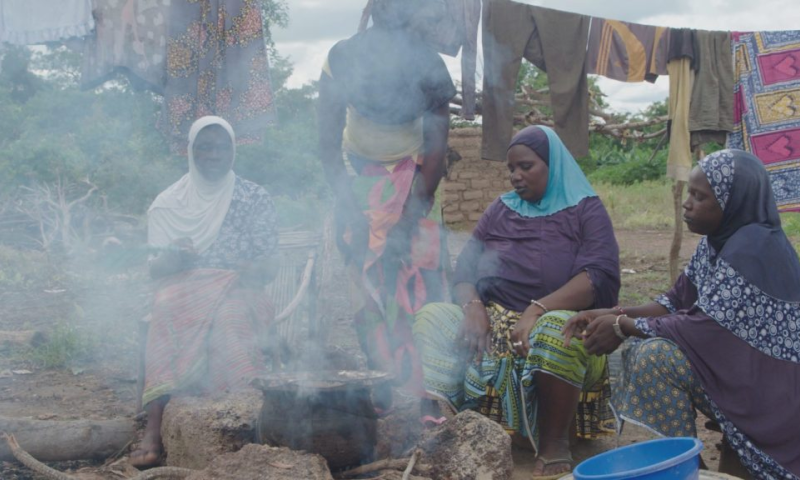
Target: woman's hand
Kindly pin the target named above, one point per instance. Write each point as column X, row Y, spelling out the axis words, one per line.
column 179, row 256
column 576, row 325
column 348, row 215
column 476, row 331
column 520, row 337
column 400, row 238
column 600, row 338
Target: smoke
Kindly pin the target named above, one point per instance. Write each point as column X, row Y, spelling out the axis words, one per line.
column 92, row 161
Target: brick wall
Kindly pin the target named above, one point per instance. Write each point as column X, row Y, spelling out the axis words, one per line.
column 471, row 183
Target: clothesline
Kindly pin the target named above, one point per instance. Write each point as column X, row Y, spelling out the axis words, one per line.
column 705, row 69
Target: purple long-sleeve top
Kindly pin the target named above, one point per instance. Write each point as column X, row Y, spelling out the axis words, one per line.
column 513, row 259
column 759, row 394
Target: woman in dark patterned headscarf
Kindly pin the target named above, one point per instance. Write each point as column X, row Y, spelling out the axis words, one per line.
column 726, row 338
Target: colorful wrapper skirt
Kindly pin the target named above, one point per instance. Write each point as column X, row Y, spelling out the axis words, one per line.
column 204, row 335
column 388, row 288
column 503, row 386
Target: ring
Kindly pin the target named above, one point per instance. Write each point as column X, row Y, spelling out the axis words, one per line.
column 516, row 344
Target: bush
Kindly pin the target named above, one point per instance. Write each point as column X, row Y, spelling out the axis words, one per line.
column 24, row 269
column 67, row 345
column 632, row 171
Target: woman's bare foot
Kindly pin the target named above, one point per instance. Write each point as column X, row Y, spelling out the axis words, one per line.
column 149, row 452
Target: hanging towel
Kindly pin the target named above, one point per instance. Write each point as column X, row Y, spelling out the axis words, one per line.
column 30, row 22
column 627, row 52
column 681, row 79
column 131, row 39
column 711, row 111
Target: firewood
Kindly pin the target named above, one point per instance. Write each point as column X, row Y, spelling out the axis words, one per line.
column 23, row 337
column 52, row 441
column 26, row 459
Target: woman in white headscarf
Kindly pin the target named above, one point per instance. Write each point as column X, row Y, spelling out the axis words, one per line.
column 216, row 233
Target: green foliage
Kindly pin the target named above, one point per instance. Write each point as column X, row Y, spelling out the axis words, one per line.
column 51, row 130
column 66, row 346
column 276, row 13
column 644, row 205
column 628, row 166
column 22, row 270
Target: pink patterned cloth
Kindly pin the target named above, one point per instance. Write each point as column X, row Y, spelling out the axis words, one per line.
column 766, row 113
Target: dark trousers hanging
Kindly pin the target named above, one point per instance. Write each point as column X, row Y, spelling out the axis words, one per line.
column 555, row 42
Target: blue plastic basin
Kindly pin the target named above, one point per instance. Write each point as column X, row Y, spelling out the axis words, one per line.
column 665, row 458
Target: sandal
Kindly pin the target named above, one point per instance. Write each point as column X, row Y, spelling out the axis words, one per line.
column 546, row 462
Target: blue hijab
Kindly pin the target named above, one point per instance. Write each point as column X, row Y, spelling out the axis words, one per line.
column 566, row 183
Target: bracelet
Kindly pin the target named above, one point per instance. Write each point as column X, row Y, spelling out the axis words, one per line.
column 618, row 330
column 474, row 300
column 539, row 304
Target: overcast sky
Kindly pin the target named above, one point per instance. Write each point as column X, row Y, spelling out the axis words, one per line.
column 315, row 25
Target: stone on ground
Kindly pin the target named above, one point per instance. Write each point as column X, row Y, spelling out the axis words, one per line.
column 399, row 431
column 468, row 447
column 196, row 430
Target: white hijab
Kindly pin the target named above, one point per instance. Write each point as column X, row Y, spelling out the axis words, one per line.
column 193, row 206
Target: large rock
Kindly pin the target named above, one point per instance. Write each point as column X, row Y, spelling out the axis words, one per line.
column 265, row 463
column 468, row 447
column 196, row 430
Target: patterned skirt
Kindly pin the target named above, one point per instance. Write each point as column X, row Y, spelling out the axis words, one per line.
column 502, row 386
column 389, row 287
column 659, row 391
column 204, row 335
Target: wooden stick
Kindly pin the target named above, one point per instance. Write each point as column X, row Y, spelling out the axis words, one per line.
column 411, row 463
column 26, row 459
column 52, row 440
column 677, row 235
column 385, row 464
column 52, row 474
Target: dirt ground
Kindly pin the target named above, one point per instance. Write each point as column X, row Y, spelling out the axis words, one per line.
column 99, row 381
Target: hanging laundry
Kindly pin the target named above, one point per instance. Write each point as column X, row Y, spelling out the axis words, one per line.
column 627, row 52
column 448, row 26
column 31, row 22
column 131, row 38
column 681, row 78
column 555, row 42
column 469, row 55
column 217, row 64
column 711, row 111
column 767, row 107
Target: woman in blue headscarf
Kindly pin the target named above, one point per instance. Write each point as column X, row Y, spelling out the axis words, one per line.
column 538, row 252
